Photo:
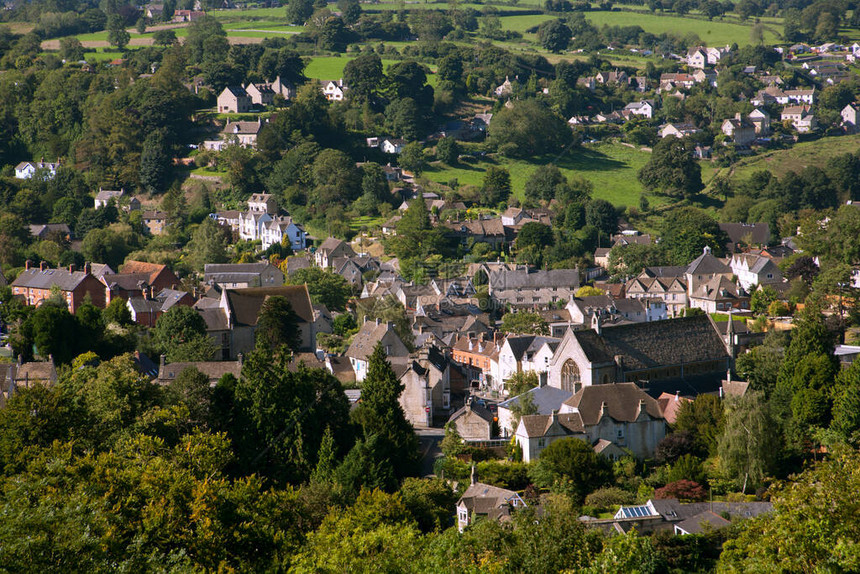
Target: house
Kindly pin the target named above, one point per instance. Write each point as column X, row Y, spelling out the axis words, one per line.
column 473, row 422
column 749, row 234
column 516, row 354
column 285, row 89
column 526, row 288
column 235, row 100
column 242, row 275
column 261, row 94
column 283, row 227
column 263, row 203
column 612, row 78
column 678, row 130
column 330, row 250
column 849, row 116
column 138, row 279
column 214, row 370
column 672, row 515
column 670, row 404
column 719, row 294
column 27, row 169
column 241, row 133
column 334, row 90
column 655, row 351
column 232, row 321
column 671, row 290
column 801, row 117
column 490, row 231
column 475, row 355
column 35, row 284
column 585, row 310
column 761, row 121
column 741, row 130
column 392, row 145
column 157, row 275
column 698, row 58
column 187, row 15
column 154, row 11
column 51, row 230
column 426, row 380
column 620, row 413
column 704, row 268
column 104, row 196
column 252, row 223
column 20, row 375
column 644, row 108
column 504, row 89
column 146, row 309
column 485, row 501
column 704, row 76
column 155, row 222
column 545, row 399
column 369, row 335
column 675, row 80
column 752, row 270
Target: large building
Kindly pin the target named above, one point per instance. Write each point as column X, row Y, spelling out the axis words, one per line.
column 36, row 284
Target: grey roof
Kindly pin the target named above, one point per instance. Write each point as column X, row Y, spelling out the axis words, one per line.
column 519, row 344
column 760, row 232
column 170, row 297
column 107, row 194
column 210, row 268
column 367, row 337
column 214, row 370
column 702, row 522
column 141, row 305
column 662, row 343
column 39, row 279
column 482, row 412
column 707, row 264
column 542, row 425
column 506, row 280
column 665, row 271
column 40, row 229
column 622, row 402
column 547, row 399
column 673, row 510
column 245, row 304
column 237, row 91
column 481, row 498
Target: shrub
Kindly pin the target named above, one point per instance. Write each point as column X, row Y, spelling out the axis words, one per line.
column 683, row 490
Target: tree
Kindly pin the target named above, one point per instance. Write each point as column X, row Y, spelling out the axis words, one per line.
column 571, row 466
column 350, row 9
column 554, row 35
column 53, row 331
column 589, row 291
column 164, row 37
column 278, row 325
column 814, row 527
column 364, row 77
column 412, row 158
column 703, row 421
column 298, row 11
column 524, row 323
column 544, row 181
column 750, row 445
column 671, row 170
column 324, row 287
column 528, row 129
column 496, row 186
column 117, row 313
column 71, row 49
column 180, row 334
column 601, row 214
column 191, row 389
column 534, row 234
column 448, row 150
column 379, row 414
column 521, row 382
column 208, row 244
column 687, row 231
column 154, row 163
column 683, row 490
column 117, row 34
column 429, row 502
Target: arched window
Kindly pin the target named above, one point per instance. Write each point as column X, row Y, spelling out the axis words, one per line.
column 570, row 377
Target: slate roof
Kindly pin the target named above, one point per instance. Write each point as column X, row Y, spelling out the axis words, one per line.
column 541, row 425
column 41, row 229
column 366, row 339
column 718, row 288
column 707, row 264
column 482, row 412
column 665, row 271
column 45, row 279
column 622, row 402
column 507, row 280
column 738, row 231
column 483, row 498
column 246, row 303
column 546, row 399
column 702, row 522
column 234, row 268
column 214, row 370
column 126, row 281
column 658, row 343
column 237, row 91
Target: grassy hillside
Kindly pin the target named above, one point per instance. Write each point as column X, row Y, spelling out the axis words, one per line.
column 803, row 154
column 610, row 167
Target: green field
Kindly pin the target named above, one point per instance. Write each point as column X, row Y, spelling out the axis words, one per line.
column 780, row 162
column 331, row 68
column 713, row 33
column 611, row 167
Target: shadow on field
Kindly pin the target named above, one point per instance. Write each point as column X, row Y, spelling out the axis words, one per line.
column 584, row 159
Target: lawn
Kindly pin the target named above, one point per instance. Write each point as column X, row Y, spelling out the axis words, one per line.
column 780, row 162
column 713, row 33
column 331, row 68
column 523, row 23
column 610, row 167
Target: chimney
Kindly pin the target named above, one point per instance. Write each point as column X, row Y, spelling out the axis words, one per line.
column 474, row 475
column 604, row 409
column 241, row 358
column 738, row 116
column 470, row 344
column 42, row 265
column 677, row 395
column 377, row 321
column 87, row 268
column 27, row 265
column 161, row 361
column 72, row 268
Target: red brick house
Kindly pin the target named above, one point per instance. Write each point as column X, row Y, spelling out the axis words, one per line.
column 138, row 279
column 35, row 284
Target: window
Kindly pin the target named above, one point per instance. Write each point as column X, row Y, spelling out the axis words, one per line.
column 570, row 377
column 541, row 442
column 620, row 433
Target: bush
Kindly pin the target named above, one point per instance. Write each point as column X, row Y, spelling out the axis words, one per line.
column 609, row 497
column 683, row 490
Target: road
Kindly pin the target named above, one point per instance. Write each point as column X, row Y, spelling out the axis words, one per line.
column 430, row 441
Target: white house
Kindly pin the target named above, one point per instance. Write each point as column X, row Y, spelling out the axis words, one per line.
column 484, row 500
column 849, row 115
column 801, row 117
column 251, row 225
column 334, row 90
column 392, row 145
column 234, row 99
column 752, row 270
column 363, row 343
column 761, row 121
column 27, row 169
column 281, row 226
column 104, row 196
column 679, row 130
column 644, row 108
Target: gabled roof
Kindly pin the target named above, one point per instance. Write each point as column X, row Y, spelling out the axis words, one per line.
column 737, row 232
column 237, row 91
column 367, row 337
column 45, row 279
column 245, row 304
column 707, row 264
column 622, row 402
column 547, row 399
column 482, row 412
column 483, row 498
column 567, row 424
column 701, row 523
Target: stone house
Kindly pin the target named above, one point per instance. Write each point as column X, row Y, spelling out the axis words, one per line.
column 761, row 120
column 426, row 382
column 473, row 422
column 235, row 100
column 620, row 413
column 155, row 222
column 741, row 130
column 802, row 118
column 330, row 250
column 261, row 93
column 485, row 501
column 369, row 335
column 243, row 275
